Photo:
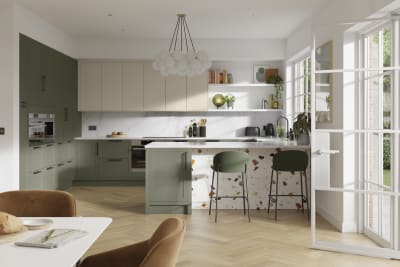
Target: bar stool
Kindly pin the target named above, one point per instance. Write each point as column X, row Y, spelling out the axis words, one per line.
column 230, row 161
column 289, row 161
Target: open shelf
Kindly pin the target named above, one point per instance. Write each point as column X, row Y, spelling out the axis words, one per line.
column 244, row 110
column 230, row 85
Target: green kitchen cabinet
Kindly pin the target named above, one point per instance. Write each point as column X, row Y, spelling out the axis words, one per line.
column 114, row 168
column 168, row 181
column 114, row 149
column 48, row 84
column 87, row 152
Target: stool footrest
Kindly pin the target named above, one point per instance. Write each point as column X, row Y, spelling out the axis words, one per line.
column 287, row 195
column 230, row 197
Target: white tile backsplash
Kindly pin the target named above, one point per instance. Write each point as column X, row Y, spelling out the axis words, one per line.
column 139, row 124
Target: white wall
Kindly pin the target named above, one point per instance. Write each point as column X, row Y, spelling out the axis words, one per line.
column 217, row 49
column 326, row 25
column 9, row 143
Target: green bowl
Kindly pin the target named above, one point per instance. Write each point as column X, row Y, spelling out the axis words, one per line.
column 218, row 100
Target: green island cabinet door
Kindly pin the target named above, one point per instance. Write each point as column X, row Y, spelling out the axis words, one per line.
column 168, row 181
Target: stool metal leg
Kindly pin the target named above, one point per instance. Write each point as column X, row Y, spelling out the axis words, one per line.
column 270, row 190
column 216, row 198
column 247, row 196
column 211, row 193
column 302, row 195
column 276, row 196
column 244, row 200
column 308, row 208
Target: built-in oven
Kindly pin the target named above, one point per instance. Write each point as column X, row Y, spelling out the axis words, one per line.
column 138, row 155
column 41, row 128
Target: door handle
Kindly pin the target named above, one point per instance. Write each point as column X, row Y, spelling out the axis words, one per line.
column 326, row 152
column 185, row 160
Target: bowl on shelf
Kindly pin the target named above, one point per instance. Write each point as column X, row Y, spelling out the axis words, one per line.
column 218, row 100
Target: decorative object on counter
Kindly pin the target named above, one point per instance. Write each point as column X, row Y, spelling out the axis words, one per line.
column 259, row 73
column 195, row 130
column 181, row 58
column 230, row 99
column 291, row 134
column 277, row 81
column 269, row 130
column 116, row 134
column 230, row 78
column 190, row 131
column 284, row 130
column 202, row 128
column 218, row 100
column 302, row 128
column 280, row 130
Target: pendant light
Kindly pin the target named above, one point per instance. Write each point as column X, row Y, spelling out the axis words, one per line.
column 182, row 58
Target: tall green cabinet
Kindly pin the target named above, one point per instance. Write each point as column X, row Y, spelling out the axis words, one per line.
column 48, row 84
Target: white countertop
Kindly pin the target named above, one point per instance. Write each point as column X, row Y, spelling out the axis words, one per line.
column 226, row 145
column 244, row 138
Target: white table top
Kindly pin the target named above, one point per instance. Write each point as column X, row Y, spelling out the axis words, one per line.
column 264, row 144
column 63, row 256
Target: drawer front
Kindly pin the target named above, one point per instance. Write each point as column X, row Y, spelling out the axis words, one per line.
column 114, row 168
column 114, row 149
column 35, row 160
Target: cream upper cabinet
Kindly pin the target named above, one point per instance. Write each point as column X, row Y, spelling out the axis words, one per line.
column 111, row 87
column 197, row 92
column 132, row 87
column 154, row 89
column 175, row 93
column 89, row 86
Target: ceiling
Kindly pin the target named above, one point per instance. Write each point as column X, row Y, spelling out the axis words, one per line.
column 133, row 19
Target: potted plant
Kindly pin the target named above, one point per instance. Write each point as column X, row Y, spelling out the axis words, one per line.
column 230, row 99
column 277, row 81
column 302, row 128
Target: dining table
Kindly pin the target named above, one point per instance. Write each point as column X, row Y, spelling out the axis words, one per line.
column 66, row 255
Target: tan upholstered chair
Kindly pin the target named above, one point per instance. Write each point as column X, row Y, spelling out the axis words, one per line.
column 161, row 250
column 38, row 203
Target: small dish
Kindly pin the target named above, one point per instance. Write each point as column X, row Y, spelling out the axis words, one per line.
column 36, row 224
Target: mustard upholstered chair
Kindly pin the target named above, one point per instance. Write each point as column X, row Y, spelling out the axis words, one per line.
column 38, row 203
column 161, row 250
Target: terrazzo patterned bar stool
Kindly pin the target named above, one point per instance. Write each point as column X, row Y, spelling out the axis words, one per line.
column 230, row 162
column 289, row 161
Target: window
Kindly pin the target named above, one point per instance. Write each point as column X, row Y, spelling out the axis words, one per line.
column 301, row 86
column 377, row 47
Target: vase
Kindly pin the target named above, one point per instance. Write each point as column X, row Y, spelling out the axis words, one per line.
column 230, row 105
column 303, row 139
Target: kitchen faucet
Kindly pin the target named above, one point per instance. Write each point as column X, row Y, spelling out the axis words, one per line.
column 287, row 124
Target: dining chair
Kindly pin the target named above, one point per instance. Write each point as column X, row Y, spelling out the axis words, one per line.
column 160, row 250
column 289, row 161
column 230, row 162
column 38, row 203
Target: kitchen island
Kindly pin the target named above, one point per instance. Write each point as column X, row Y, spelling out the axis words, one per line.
column 178, row 175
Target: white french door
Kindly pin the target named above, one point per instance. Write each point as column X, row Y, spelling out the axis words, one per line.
column 355, row 168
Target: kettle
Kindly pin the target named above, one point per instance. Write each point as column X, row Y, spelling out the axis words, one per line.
column 269, row 129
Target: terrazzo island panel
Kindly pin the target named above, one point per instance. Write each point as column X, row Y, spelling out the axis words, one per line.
column 258, row 175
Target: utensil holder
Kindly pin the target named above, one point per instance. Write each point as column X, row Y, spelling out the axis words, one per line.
column 203, row 131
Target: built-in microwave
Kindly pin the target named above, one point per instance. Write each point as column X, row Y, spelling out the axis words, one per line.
column 41, row 128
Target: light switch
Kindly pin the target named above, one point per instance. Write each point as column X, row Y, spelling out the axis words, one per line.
column 92, row 127
column 2, row 131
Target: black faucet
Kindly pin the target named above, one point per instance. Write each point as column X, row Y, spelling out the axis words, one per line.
column 287, row 124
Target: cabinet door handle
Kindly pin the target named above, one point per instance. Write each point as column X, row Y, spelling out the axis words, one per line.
column 97, row 149
column 49, row 145
column 115, row 160
column 185, row 156
column 37, row 172
column 44, row 83
column 36, row 147
column 61, row 164
column 49, row 168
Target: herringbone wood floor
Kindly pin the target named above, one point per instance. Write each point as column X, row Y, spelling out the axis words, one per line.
column 231, row 242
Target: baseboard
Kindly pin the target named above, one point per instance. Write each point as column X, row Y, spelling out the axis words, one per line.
column 330, row 218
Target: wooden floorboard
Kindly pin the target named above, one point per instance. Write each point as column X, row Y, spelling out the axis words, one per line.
column 231, row 242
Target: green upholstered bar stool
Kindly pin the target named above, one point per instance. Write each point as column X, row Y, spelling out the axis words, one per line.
column 230, row 162
column 289, row 161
